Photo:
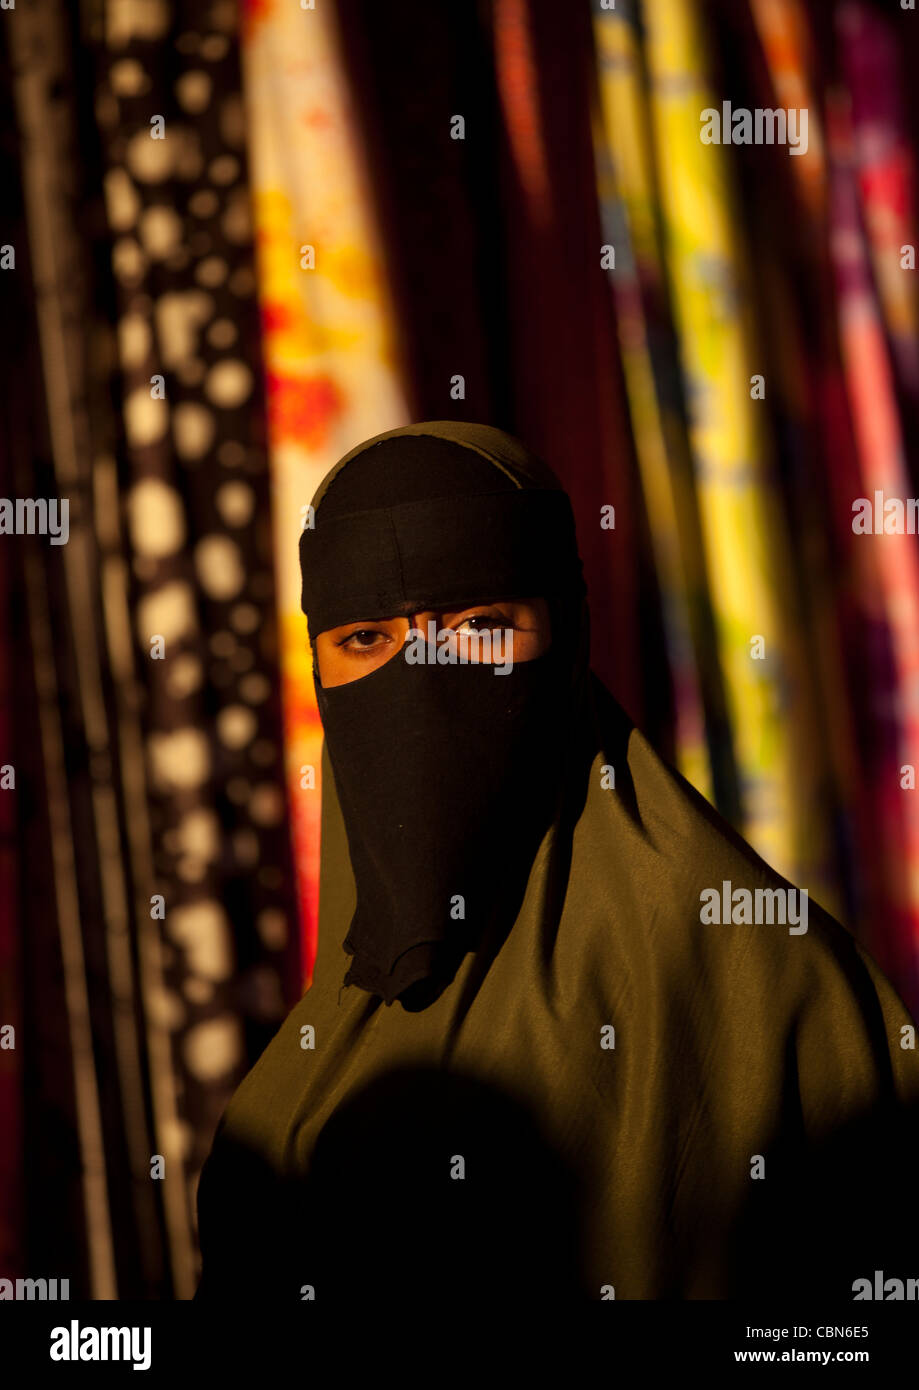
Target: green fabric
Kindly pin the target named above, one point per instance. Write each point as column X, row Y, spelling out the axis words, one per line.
column 731, row 1041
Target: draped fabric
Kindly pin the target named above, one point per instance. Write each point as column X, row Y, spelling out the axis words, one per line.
column 153, row 905
column 249, row 235
column 329, row 337
column 625, row 183
column 748, row 289
column 568, row 397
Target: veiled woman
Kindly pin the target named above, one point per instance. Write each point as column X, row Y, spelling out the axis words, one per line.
column 532, row 1064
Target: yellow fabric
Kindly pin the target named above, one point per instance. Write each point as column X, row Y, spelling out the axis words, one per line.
column 763, row 660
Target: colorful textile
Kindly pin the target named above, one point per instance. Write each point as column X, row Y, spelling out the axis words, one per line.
column 746, row 544
column 358, row 216
column 331, row 373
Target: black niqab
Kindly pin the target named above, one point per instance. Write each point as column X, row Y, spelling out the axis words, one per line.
column 443, row 771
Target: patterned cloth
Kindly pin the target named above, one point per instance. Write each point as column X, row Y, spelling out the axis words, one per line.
column 156, row 935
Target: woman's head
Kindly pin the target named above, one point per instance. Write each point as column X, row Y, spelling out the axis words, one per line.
column 445, row 601
column 447, row 522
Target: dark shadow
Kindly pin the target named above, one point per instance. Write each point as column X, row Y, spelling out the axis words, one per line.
column 379, row 1219
column 830, row 1213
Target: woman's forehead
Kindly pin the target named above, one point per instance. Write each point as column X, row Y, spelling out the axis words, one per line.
column 446, row 551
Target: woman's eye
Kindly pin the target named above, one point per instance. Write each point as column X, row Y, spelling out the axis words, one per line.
column 363, row 639
column 484, row 621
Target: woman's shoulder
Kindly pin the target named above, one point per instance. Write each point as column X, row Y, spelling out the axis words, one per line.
column 670, row 894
